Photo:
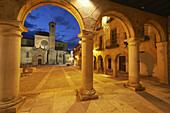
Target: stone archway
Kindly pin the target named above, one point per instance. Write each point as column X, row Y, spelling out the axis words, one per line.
column 160, row 55
column 124, row 21
column 10, row 96
column 86, row 35
column 159, row 28
column 132, row 40
column 12, row 20
column 31, row 5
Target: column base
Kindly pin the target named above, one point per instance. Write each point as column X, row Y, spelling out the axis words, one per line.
column 115, row 76
column 134, row 87
column 12, row 106
column 86, row 95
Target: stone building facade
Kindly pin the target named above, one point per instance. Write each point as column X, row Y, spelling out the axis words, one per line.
column 110, row 50
column 77, row 55
column 37, row 51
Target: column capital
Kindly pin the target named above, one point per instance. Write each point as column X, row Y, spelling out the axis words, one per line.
column 133, row 41
column 11, row 27
column 86, row 32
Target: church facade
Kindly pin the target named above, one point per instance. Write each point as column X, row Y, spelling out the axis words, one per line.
column 44, row 49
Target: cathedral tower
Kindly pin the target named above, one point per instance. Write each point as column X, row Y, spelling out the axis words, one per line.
column 51, row 55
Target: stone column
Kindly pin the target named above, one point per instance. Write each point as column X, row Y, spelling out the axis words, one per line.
column 162, row 62
column 105, row 67
column 115, row 69
column 10, row 47
column 97, row 63
column 87, row 91
column 133, row 49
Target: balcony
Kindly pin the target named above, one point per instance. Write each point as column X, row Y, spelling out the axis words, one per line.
column 98, row 47
column 110, row 45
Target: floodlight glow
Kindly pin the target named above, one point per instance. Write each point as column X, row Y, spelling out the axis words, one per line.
column 71, row 59
column 95, row 52
column 85, row 3
column 104, row 19
column 79, row 41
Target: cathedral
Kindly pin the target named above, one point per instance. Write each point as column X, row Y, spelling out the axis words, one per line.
column 44, row 49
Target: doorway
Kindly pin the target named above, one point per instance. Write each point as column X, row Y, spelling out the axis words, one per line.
column 39, row 61
column 122, row 63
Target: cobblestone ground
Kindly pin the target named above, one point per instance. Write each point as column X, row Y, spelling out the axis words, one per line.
column 52, row 90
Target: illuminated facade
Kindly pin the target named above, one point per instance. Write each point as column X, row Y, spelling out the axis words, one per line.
column 111, row 49
column 37, row 51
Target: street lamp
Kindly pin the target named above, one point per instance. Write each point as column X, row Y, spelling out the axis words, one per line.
column 80, row 41
column 77, row 57
column 94, row 52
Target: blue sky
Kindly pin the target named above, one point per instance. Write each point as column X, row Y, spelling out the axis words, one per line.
column 67, row 27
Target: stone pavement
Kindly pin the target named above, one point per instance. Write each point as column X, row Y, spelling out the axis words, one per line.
column 52, row 90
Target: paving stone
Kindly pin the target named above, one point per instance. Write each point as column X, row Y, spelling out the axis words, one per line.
column 57, row 96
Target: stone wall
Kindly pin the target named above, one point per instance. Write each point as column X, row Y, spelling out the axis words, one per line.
column 39, row 53
column 148, row 53
column 24, row 59
column 39, row 41
column 114, row 52
column 61, row 45
column 169, row 48
column 147, row 48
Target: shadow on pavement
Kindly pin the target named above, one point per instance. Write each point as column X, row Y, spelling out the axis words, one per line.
column 79, row 107
column 165, row 107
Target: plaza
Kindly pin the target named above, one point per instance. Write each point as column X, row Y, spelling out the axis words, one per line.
column 52, row 89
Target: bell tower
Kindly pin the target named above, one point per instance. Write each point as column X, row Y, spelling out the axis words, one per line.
column 51, row 55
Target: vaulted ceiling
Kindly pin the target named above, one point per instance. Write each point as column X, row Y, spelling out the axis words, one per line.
column 160, row 7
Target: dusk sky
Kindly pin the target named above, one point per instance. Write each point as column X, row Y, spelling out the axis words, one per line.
column 67, row 27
